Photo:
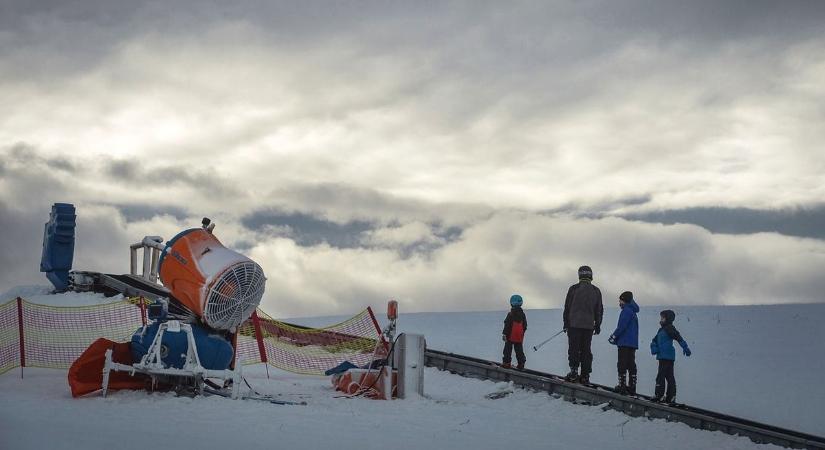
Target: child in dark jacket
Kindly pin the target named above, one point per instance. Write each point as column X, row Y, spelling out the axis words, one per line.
column 626, row 338
column 662, row 347
column 515, row 324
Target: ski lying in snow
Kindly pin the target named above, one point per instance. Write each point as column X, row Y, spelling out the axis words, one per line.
column 502, row 366
column 498, row 394
column 671, row 404
column 638, row 396
column 261, row 398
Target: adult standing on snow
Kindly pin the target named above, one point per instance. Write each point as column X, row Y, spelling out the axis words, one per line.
column 583, row 312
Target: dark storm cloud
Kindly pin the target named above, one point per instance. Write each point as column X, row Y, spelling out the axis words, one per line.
column 449, row 234
column 340, row 203
column 140, row 212
column 601, row 207
column 123, row 170
column 32, row 180
column 81, row 33
column 806, row 222
column 133, row 171
column 308, row 230
column 411, row 137
column 25, row 154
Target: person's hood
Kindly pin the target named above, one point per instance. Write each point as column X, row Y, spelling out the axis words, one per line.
column 669, row 316
column 632, row 305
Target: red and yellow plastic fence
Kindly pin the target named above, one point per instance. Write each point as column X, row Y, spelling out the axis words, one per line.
column 34, row 335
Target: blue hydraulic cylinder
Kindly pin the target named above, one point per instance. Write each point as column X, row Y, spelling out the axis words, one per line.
column 214, row 351
column 58, row 245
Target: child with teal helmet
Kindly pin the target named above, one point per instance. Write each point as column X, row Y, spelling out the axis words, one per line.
column 515, row 324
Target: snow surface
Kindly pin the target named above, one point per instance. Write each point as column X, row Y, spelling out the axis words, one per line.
column 760, row 362
column 38, row 412
column 42, row 295
column 763, row 362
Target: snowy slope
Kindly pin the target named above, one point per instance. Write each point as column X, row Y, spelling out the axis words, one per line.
column 38, row 412
column 767, row 345
column 760, row 362
column 765, row 362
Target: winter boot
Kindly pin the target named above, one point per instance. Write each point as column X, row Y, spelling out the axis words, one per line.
column 659, row 393
column 573, row 375
column 631, row 386
column 520, row 366
column 506, row 365
column 584, row 378
column 621, row 388
column 671, row 393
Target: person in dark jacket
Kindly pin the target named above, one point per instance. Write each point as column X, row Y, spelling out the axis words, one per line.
column 515, row 324
column 583, row 312
column 662, row 347
column 626, row 338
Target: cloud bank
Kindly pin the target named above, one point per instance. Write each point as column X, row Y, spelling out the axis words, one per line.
column 446, row 154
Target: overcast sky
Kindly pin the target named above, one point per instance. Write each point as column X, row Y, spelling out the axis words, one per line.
column 445, row 154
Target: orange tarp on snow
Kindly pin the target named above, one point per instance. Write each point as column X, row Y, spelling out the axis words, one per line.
column 86, row 373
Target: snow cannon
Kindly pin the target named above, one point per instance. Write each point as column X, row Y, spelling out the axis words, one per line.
column 214, row 351
column 220, row 286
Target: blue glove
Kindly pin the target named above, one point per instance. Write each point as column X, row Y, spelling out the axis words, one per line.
column 687, row 352
column 612, row 339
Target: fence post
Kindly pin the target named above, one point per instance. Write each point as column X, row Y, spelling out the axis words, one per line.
column 21, row 335
column 256, row 323
column 378, row 329
column 142, row 311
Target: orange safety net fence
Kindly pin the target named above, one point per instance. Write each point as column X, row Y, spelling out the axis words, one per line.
column 34, row 335
column 9, row 337
column 310, row 350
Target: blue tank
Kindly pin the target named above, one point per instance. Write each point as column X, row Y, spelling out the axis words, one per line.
column 58, row 245
column 214, row 351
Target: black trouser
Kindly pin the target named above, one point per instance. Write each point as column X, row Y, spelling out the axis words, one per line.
column 665, row 374
column 578, row 349
column 627, row 361
column 508, row 352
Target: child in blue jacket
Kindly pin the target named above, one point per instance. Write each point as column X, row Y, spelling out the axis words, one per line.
column 626, row 338
column 662, row 347
column 515, row 324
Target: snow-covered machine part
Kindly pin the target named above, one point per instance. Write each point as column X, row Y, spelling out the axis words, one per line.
column 219, row 285
column 58, row 245
column 207, row 292
column 189, row 368
column 214, row 351
column 408, row 359
column 152, row 246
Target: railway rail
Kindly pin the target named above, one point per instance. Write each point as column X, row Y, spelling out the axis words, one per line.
column 635, row 406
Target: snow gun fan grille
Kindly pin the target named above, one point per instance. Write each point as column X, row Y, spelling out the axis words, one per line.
column 234, row 296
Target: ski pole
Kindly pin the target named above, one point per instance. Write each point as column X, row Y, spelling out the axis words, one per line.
column 536, row 347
